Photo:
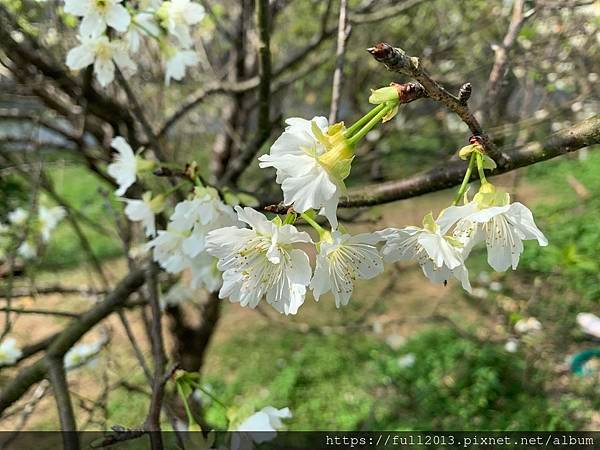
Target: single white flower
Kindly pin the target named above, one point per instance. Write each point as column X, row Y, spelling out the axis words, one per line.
column 438, row 255
column 168, row 250
column 205, row 273
column 104, row 54
column 407, row 361
column 49, row 219
column 312, row 160
column 176, row 16
column 589, row 323
column 18, row 216
column 97, row 14
column 529, row 325
column 205, row 209
column 9, row 352
column 260, row 427
column 124, row 167
column 496, row 286
column 144, row 211
column 490, row 217
column 342, row 259
column 511, row 345
column 177, row 63
column 82, row 354
column 178, row 294
column 142, row 24
column 176, row 248
column 27, row 250
column 261, row 262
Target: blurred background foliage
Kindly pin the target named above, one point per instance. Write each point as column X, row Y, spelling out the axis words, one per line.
column 461, row 377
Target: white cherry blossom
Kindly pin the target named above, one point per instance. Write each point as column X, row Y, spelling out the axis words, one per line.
column 144, row 211
column 104, row 54
column 261, row 262
column 98, row 14
column 260, row 427
column 341, row 260
column 589, row 323
column 49, row 219
column 27, row 250
column 9, row 352
column 182, row 245
column 177, row 63
column 124, row 167
column 176, row 16
column 312, row 160
column 437, row 254
column 18, row 216
column 82, row 354
column 503, row 228
column 205, row 273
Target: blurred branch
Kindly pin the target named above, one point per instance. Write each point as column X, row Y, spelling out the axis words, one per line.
column 501, row 60
column 570, row 139
column 396, row 60
column 264, row 69
column 60, row 388
column 383, row 12
column 64, row 340
column 342, row 37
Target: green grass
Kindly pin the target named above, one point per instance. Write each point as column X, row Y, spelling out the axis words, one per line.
column 353, row 381
column 81, row 190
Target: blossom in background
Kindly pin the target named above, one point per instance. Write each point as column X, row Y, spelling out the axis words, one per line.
column 342, row 259
column 27, row 250
column 490, row 217
column 49, row 219
column 261, row 262
column 18, row 216
column 589, row 323
column 82, row 354
column 125, row 165
column 142, row 23
column 176, row 16
column 98, row 14
column 511, row 346
column 312, row 160
column 144, row 211
column 407, row 361
column 261, row 426
column 176, row 295
column 177, row 63
column 183, row 244
column 104, row 54
column 9, row 352
column 205, row 273
column 438, row 255
column 168, row 251
column 529, row 325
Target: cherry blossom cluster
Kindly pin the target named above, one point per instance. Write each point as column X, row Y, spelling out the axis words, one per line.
column 249, row 257
column 110, row 32
column 29, row 229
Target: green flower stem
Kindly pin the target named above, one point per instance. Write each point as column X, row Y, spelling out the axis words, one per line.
column 465, row 182
column 370, row 124
column 364, row 119
column 480, row 168
column 212, row 397
column 174, row 188
column 186, row 406
column 312, row 223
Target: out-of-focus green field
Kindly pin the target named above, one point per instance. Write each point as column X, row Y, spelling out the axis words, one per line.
column 353, row 378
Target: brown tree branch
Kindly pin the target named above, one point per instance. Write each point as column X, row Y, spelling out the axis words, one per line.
column 449, row 175
column 396, row 60
column 61, row 344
